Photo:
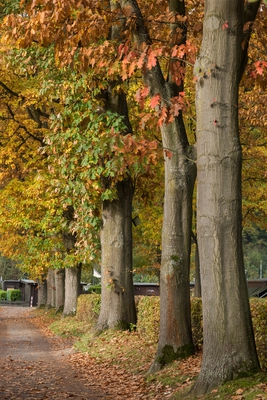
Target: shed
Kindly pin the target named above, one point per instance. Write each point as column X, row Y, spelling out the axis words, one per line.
column 146, row 289
column 257, row 287
column 29, row 290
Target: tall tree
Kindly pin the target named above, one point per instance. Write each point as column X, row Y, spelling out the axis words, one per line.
column 117, row 295
column 175, row 340
column 229, row 347
column 87, row 120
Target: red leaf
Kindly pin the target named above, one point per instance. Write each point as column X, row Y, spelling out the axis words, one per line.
column 152, row 59
column 163, row 115
column 259, row 65
column 168, row 154
column 154, row 102
column 225, row 25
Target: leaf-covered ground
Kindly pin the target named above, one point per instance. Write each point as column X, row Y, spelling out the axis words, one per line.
column 118, row 362
column 45, row 357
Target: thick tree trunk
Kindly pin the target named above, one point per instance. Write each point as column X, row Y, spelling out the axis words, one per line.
column 117, row 295
column 175, row 339
column 42, row 294
column 72, row 287
column 117, row 298
column 50, row 303
column 229, row 348
column 60, row 289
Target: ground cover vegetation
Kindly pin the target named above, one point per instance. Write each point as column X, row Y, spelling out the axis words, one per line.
column 118, row 352
column 98, row 120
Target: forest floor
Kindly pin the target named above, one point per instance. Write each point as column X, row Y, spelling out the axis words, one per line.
column 36, row 363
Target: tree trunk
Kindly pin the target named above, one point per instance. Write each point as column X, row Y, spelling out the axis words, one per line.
column 72, row 287
column 73, row 273
column 229, row 347
column 50, row 303
column 197, row 288
column 60, row 289
column 42, row 294
column 117, row 296
column 175, row 339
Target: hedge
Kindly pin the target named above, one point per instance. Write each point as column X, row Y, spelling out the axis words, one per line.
column 148, row 316
column 14, row 295
column 259, row 320
column 88, row 307
column 3, row 294
column 94, row 289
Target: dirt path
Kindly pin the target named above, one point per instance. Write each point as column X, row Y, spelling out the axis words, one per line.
column 30, row 368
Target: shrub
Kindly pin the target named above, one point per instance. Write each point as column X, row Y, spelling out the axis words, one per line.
column 259, row 319
column 94, row 289
column 197, row 322
column 148, row 318
column 3, row 295
column 14, row 295
column 88, row 307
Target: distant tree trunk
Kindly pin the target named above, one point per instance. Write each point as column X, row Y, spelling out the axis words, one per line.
column 60, row 289
column 42, row 293
column 229, row 347
column 50, row 303
column 72, row 287
column 117, row 298
column 72, row 273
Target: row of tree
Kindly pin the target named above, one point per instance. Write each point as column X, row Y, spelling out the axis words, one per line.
column 97, row 102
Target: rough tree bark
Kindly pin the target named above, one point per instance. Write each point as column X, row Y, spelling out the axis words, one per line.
column 72, row 290
column 72, row 273
column 50, row 286
column 229, row 347
column 175, row 339
column 117, row 294
column 60, row 289
column 197, row 287
column 117, row 297
column 42, row 293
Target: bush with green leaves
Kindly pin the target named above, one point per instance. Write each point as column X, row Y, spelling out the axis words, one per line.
column 3, row 295
column 94, row 289
column 14, row 295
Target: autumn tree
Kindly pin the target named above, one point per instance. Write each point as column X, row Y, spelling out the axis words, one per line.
column 35, row 217
column 117, row 296
column 229, row 347
column 91, row 136
column 175, row 339
column 119, row 59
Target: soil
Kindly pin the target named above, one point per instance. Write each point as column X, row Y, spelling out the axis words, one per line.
column 32, row 367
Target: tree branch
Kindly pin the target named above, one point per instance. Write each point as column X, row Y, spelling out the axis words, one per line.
column 250, row 13
column 7, row 89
